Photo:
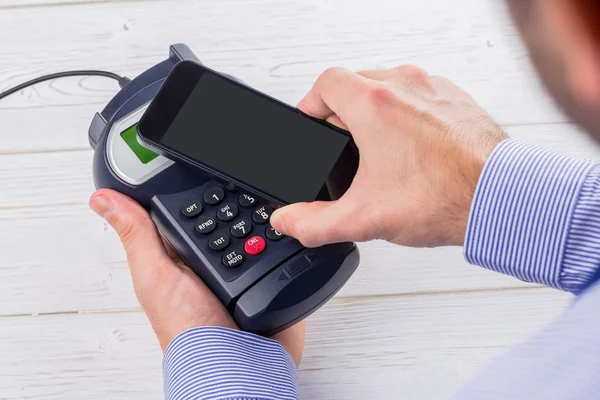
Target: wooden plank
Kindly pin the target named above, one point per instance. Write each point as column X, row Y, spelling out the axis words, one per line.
column 37, row 3
column 52, row 3
column 46, row 128
column 424, row 347
column 281, row 49
column 567, row 139
column 454, row 334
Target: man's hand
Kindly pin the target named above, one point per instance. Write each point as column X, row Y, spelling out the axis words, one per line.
column 422, row 142
column 171, row 295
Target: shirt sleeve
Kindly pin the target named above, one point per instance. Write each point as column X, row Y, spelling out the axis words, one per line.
column 218, row 363
column 536, row 216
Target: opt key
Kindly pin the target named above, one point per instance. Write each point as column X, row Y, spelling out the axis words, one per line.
column 255, row 245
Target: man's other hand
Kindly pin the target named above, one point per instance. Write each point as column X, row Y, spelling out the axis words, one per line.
column 171, row 295
column 423, row 143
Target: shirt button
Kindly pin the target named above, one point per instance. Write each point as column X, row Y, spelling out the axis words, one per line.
column 214, row 196
column 246, row 200
column 205, row 225
column 255, row 245
column 262, row 214
column 192, row 209
column 227, row 212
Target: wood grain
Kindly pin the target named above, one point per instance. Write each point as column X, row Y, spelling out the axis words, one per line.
column 279, row 46
column 423, row 347
column 52, row 3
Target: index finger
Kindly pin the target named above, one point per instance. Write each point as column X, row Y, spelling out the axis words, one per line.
column 336, row 92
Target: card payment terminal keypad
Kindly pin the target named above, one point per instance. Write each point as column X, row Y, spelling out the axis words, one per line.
column 234, row 224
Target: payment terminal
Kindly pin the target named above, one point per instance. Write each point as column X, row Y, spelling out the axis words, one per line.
column 267, row 281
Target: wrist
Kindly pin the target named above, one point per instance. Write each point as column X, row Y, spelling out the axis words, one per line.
column 472, row 173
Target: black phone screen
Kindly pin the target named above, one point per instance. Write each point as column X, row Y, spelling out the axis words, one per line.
column 254, row 139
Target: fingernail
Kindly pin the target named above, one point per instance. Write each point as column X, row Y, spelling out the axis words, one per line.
column 100, row 204
column 278, row 223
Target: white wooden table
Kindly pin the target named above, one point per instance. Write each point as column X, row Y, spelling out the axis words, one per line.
column 411, row 324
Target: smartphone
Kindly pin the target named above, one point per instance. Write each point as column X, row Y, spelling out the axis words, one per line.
column 240, row 135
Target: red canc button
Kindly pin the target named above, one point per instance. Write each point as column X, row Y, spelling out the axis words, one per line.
column 255, row 245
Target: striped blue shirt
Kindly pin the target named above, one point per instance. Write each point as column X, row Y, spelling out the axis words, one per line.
column 535, row 216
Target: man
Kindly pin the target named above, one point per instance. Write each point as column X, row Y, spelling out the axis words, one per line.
column 443, row 174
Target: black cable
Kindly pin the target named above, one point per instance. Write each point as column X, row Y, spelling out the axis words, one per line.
column 123, row 81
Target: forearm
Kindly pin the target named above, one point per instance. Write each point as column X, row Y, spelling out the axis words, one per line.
column 536, row 216
column 224, row 364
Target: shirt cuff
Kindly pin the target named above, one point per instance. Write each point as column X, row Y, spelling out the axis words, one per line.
column 581, row 261
column 536, row 216
column 220, row 363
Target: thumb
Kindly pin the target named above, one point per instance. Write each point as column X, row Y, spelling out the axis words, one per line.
column 314, row 224
column 143, row 245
